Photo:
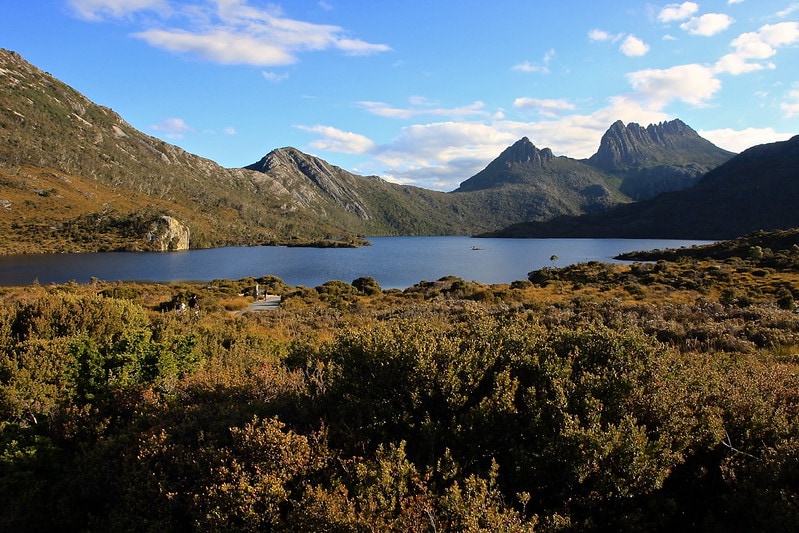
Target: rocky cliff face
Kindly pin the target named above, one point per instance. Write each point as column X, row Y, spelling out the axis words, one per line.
column 662, row 157
column 633, row 146
column 290, row 165
column 168, row 234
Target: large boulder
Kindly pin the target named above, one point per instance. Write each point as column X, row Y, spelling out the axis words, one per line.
column 168, row 234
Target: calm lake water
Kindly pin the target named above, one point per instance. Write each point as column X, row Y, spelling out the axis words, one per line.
column 395, row 262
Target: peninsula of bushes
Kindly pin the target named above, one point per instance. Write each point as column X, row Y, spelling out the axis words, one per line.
column 652, row 396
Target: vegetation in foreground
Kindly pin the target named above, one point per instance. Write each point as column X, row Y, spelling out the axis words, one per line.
column 650, row 396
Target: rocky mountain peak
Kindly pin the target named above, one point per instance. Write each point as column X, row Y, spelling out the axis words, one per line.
column 291, row 165
column 524, row 151
column 634, row 146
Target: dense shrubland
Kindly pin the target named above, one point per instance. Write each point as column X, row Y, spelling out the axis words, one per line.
column 651, row 396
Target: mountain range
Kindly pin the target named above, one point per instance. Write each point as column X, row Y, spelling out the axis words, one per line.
column 74, row 176
column 756, row 190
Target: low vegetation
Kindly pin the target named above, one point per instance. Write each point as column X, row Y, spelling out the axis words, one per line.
column 649, row 396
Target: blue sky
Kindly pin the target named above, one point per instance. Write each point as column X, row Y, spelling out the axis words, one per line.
column 419, row 92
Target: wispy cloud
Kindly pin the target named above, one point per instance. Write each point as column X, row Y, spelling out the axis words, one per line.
column 274, row 77
column 96, row 10
column 791, row 105
column 335, row 140
column 228, row 31
column 546, row 106
column 421, row 106
column 173, row 128
column 541, row 67
column 788, row 11
column 597, row 35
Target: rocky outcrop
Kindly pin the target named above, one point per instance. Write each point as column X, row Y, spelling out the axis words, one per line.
column 168, row 234
column 293, row 166
column 524, row 151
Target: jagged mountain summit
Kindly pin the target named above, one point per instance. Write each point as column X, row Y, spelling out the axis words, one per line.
column 661, row 157
column 757, row 189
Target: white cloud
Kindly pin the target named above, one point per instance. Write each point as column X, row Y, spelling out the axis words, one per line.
column 735, row 64
column 421, row 106
column 708, row 24
column 228, row 31
column 357, row 47
column 598, row 35
column 759, row 45
column 674, row 12
column 335, row 140
column 545, row 106
column 791, row 105
column 731, row 2
column 540, row 68
column 173, row 128
column 230, row 130
column 693, row 84
column 632, row 46
column 780, row 34
column 740, row 140
column 220, row 46
column 99, row 9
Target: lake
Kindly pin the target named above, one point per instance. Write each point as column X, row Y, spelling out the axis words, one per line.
column 395, row 262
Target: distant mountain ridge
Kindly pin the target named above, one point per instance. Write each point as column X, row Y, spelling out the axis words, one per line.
column 632, row 163
column 563, row 184
column 757, row 189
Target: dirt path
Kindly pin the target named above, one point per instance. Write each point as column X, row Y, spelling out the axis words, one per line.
column 267, row 304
